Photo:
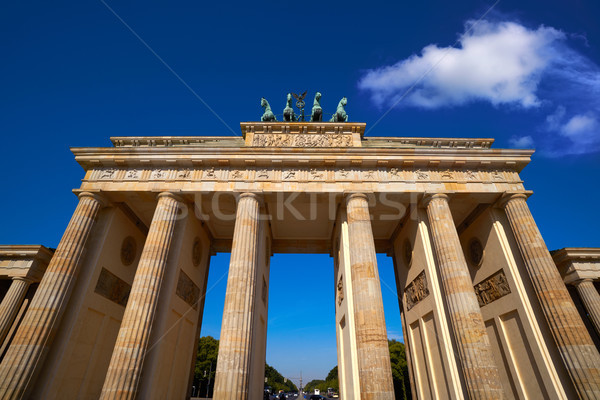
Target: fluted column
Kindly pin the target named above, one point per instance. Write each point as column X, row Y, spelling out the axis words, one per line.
column 12, row 303
column 37, row 330
column 375, row 372
column 572, row 338
column 591, row 300
column 126, row 363
column 475, row 353
column 233, row 364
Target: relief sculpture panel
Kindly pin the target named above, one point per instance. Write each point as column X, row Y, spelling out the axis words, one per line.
column 416, row 291
column 112, row 287
column 492, row 288
column 299, row 140
column 187, row 290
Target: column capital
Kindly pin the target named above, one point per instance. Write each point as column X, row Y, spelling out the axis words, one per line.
column 103, row 201
column 508, row 196
column 355, row 195
column 580, row 281
column 170, row 195
column 258, row 196
column 428, row 197
column 25, row 279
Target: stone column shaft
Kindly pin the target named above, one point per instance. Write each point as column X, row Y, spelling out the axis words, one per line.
column 574, row 342
column 11, row 304
column 591, row 300
column 126, row 363
column 37, row 330
column 375, row 372
column 233, row 365
column 475, row 353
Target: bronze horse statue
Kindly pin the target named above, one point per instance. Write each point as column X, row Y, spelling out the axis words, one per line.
column 317, row 111
column 340, row 114
column 268, row 115
column 288, row 111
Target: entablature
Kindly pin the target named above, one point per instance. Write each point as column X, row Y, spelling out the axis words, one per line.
column 366, row 157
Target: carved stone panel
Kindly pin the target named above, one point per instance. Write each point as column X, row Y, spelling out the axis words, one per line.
column 185, row 173
column 108, row 173
column 302, row 140
column 340, row 290
column 187, row 290
column 416, row 291
column 492, row 288
column 112, row 287
column 158, row 174
column 133, row 174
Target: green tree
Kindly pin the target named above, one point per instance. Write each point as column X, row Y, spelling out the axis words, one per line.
column 206, row 365
column 399, row 370
column 331, row 381
column 399, row 374
column 333, row 374
column 277, row 382
column 314, row 384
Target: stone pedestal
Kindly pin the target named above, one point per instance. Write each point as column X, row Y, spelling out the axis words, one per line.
column 125, row 367
column 232, row 379
column 477, row 362
column 573, row 340
column 11, row 304
column 375, row 373
column 36, row 332
column 591, row 300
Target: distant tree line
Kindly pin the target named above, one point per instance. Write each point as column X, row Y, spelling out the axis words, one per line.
column 277, row 382
column 206, row 366
column 399, row 374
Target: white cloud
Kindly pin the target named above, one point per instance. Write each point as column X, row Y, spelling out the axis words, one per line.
column 503, row 63
column 524, row 142
column 583, row 134
column 497, row 62
column 580, row 125
column 577, row 134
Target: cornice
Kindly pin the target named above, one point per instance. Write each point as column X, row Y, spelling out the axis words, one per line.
column 90, row 157
column 26, row 252
column 576, row 254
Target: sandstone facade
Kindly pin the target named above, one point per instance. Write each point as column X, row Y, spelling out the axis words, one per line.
column 118, row 312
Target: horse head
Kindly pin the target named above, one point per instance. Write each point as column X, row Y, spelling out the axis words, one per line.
column 343, row 101
column 289, row 100
column 317, row 98
column 264, row 102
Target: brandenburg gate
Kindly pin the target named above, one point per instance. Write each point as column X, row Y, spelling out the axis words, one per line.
column 118, row 311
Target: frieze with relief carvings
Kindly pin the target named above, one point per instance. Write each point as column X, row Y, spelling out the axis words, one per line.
column 299, row 174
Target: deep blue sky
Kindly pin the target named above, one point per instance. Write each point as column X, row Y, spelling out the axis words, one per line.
column 72, row 74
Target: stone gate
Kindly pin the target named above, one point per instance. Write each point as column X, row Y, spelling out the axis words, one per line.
column 118, row 311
